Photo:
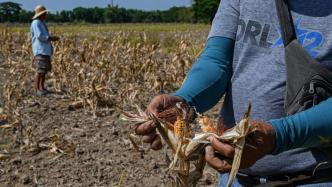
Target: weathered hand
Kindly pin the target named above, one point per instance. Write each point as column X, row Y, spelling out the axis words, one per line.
column 258, row 144
column 54, row 38
column 148, row 129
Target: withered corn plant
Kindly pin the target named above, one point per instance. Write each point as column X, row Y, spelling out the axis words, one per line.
column 96, row 71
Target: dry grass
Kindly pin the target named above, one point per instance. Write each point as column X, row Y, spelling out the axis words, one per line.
column 112, row 70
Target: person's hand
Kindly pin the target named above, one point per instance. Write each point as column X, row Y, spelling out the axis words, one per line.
column 54, row 38
column 258, row 144
column 148, row 129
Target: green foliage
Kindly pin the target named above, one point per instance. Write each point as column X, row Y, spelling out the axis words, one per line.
column 205, row 10
column 202, row 11
column 9, row 11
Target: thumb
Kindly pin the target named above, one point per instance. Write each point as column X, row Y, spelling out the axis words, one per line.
column 157, row 104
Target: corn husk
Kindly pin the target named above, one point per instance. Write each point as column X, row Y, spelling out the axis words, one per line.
column 192, row 152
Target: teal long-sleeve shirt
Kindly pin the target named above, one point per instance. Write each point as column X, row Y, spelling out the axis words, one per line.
column 311, row 128
column 208, row 79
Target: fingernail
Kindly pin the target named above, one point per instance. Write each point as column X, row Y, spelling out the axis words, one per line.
column 207, row 148
column 211, row 138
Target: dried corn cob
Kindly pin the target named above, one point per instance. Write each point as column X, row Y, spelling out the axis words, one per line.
column 207, row 125
column 193, row 151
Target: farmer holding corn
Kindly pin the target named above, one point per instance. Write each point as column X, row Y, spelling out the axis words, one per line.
column 244, row 57
column 42, row 48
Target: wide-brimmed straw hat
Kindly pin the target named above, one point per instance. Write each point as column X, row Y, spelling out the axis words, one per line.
column 39, row 10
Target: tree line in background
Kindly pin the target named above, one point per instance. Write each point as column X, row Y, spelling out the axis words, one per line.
column 202, row 11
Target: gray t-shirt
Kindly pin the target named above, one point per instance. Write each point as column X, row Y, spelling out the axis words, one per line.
column 259, row 72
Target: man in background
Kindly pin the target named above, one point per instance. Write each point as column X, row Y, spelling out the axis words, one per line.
column 42, row 48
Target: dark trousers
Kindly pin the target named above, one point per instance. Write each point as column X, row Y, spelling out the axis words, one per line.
column 287, row 180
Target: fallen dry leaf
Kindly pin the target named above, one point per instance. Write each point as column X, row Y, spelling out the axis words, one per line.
column 7, row 126
column 4, row 156
column 3, row 117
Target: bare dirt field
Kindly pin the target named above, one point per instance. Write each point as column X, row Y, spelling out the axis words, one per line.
column 74, row 136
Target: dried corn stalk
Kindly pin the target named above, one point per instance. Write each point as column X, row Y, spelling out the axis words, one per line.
column 235, row 136
column 187, row 152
